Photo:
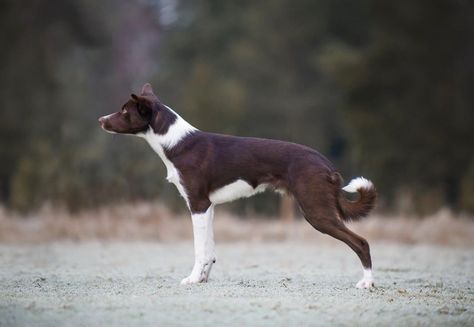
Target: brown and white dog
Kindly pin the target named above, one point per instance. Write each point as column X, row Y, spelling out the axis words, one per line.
column 210, row 169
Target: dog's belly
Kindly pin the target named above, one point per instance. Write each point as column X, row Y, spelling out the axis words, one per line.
column 235, row 190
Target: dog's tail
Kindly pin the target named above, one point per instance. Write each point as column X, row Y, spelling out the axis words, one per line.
column 356, row 210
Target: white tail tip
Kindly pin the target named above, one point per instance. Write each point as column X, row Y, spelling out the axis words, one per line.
column 358, row 183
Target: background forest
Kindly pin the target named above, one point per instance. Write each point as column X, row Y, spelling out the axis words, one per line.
column 383, row 88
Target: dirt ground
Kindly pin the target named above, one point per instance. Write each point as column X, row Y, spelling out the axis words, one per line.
column 253, row 283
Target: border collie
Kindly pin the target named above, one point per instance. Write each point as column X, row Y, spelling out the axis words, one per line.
column 210, row 169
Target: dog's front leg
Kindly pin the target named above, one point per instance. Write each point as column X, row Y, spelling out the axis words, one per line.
column 204, row 251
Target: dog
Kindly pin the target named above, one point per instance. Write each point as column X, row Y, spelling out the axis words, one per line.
column 210, row 169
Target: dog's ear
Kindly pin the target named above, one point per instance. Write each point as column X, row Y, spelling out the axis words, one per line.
column 147, row 89
column 141, row 99
column 144, row 106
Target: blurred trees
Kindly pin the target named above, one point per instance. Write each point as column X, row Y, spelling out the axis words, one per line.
column 382, row 88
column 412, row 104
column 63, row 64
column 36, row 36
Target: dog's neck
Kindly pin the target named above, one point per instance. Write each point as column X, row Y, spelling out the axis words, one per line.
column 174, row 133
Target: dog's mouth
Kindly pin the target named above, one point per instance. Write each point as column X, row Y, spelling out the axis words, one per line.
column 102, row 122
column 115, row 127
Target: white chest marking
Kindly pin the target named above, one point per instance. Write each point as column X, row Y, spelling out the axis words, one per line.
column 172, row 174
column 234, row 191
column 176, row 133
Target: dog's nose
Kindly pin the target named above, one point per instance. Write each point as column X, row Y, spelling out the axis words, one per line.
column 102, row 120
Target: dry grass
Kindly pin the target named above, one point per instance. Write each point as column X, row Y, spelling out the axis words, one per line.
column 153, row 221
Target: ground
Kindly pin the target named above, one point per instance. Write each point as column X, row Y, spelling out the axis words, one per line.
column 253, row 283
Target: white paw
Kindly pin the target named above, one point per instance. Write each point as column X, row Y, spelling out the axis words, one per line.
column 191, row 280
column 200, row 273
column 365, row 283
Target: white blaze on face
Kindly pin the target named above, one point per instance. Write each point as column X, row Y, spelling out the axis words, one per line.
column 106, row 117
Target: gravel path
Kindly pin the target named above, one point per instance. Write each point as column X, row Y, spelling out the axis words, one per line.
column 277, row 284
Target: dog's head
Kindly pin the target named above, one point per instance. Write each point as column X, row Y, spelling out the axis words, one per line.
column 136, row 115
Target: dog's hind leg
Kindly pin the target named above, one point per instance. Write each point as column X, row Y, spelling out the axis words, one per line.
column 360, row 246
column 319, row 209
column 204, row 251
column 334, row 227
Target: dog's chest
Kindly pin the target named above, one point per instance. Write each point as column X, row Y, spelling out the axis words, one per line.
column 172, row 174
